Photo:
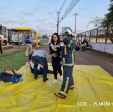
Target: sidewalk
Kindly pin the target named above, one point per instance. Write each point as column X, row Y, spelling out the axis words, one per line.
column 13, row 49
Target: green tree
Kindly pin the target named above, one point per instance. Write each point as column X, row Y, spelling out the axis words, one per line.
column 107, row 22
column 96, row 21
column 44, row 36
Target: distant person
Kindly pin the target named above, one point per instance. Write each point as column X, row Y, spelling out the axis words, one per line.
column 78, row 45
column 28, row 44
column 40, row 57
column 55, row 53
column 84, row 44
column 1, row 45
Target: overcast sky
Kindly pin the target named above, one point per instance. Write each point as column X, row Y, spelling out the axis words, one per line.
column 35, row 14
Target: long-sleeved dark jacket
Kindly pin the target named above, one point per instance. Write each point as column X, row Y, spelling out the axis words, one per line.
column 56, row 51
column 68, row 53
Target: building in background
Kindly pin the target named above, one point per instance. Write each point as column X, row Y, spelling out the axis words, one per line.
column 4, row 34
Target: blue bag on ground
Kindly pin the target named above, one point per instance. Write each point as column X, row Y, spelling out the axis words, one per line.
column 11, row 78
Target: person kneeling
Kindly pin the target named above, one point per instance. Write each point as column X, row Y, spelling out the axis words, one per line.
column 40, row 57
column 39, row 68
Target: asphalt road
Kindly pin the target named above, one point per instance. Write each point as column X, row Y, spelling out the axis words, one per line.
column 83, row 58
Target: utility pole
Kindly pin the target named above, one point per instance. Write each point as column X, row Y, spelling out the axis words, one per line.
column 57, row 21
column 58, row 13
column 75, row 22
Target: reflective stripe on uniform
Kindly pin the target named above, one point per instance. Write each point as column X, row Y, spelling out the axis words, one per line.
column 63, row 60
column 65, row 51
column 68, row 64
column 73, row 61
column 66, row 86
column 71, row 64
column 70, row 43
column 62, row 92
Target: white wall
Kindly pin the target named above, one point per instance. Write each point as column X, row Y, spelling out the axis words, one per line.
column 103, row 47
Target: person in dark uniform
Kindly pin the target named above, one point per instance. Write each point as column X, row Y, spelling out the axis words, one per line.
column 55, row 51
column 1, row 45
column 68, row 54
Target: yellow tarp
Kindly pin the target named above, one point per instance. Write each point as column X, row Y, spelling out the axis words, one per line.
column 92, row 85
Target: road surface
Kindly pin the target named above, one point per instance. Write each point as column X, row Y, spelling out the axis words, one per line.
column 83, row 58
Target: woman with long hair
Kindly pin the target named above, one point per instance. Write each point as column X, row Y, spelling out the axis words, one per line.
column 55, row 53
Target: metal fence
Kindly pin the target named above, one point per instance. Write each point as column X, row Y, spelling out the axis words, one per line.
column 98, row 35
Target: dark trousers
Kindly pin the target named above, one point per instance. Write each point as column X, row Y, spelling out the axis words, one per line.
column 40, row 60
column 56, row 66
column 1, row 49
column 41, row 70
column 67, row 79
column 77, row 48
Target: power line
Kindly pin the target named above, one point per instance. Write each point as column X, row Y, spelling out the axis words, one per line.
column 71, row 6
column 58, row 13
column 52, row 16
column 62, row 6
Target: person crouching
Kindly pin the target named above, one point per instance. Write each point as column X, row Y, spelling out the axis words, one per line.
column 40, row 57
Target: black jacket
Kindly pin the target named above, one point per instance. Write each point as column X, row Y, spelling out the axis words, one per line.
column 52, row 50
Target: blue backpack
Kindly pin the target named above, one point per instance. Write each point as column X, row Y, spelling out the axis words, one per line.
column 11, row 78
